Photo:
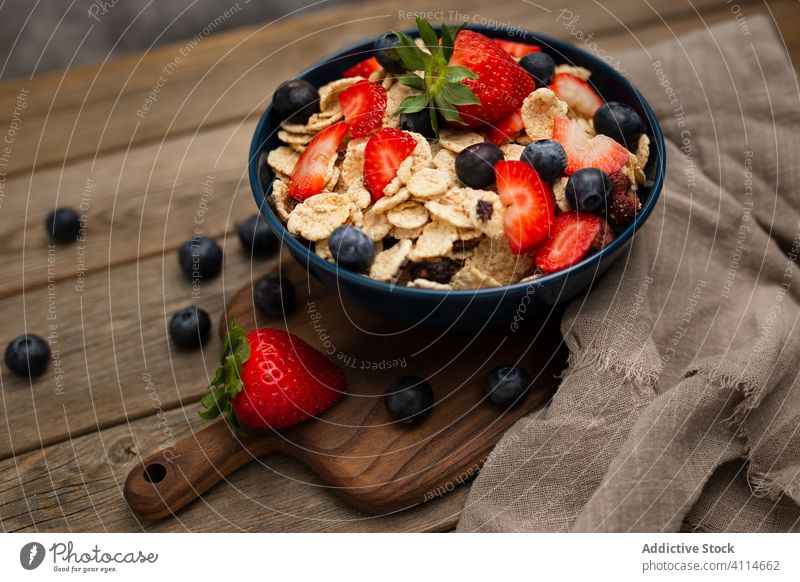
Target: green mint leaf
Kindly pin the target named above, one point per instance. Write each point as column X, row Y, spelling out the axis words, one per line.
column 413, row 81
column 458, row 94
column 414, row 103
column 428, row 35
column 456, row 74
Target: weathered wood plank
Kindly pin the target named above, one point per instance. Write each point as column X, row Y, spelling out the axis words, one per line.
column 137, row 203
column 230, row 76
column 111, row 345
column 77, row 486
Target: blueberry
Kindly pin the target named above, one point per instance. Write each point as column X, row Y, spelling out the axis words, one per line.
column 295, row 101
column 27, row 355
column 475, row 164
column 256, row 236
column 540, row 66
column 588, row 190
column 352, row 248
column 547, row 157
column 507, row 386
column 618, row 121
column 409, row 399
column 200, row 257
column 419, row 122
column 190, row 327
column 63, row 224
column 385, row 52
column 274, row 294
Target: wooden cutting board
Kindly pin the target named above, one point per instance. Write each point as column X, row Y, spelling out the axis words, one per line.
column 354, row 447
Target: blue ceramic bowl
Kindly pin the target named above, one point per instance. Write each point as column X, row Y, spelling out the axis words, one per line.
column 467, row 309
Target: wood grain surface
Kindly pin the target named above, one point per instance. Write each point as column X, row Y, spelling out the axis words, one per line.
column 68, row 439
column 355, row 448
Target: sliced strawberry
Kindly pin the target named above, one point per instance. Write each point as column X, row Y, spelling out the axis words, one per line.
column 506, row 129
column 363, row 69
column 517, row 49
column 577, row 93
column 571, row 237
column 308, row 176
column 529, row 205
column 584, row 151
column 384, row 153
column 363, row 105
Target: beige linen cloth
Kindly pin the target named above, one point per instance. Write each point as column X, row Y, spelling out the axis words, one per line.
column 680, row 407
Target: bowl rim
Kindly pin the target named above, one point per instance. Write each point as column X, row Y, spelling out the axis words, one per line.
column 593, row 261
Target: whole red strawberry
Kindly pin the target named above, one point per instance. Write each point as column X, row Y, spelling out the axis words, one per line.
column 468, row 78
column 502, row 84
column 271, row 379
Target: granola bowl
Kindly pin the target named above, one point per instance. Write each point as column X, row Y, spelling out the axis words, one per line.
column 475, row 308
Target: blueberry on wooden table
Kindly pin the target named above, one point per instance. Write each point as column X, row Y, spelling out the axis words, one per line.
column 256, row 236
column 274, row 294
column 409, row 399
column 200, row 257
column 27, row 355
column 63, row 224
column 507, row 386
column 190, row 327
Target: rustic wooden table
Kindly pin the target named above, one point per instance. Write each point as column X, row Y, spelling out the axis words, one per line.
column 145, row 146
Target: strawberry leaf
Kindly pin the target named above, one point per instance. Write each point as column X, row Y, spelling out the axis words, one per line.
column 457, row 73
column 413, row 81
column 411, row 56
column 227, row 382
column 458, row 94
column 428, row 35
column 414, row 104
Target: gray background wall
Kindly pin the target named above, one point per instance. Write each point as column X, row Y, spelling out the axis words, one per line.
column 41, row 35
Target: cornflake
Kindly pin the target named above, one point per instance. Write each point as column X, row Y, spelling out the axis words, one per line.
column 353, row 162
column 408, row 215
column 494, row 258
column 436, row 240
column 386, row 203
column 456, row 140
column 539, row 111
column 580, row 72
column 428, row 183
column 375, row 225
column 318, row 216
column 426, row 284
column 560, row 194
column 473, row 278
column 387, row 263
column 284, row 204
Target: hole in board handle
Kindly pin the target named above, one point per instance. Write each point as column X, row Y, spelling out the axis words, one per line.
column 154, row 473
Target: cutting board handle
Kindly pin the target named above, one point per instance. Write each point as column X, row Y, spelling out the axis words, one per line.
column 169, row 479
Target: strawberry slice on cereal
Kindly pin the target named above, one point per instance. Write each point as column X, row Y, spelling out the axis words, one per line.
column 584, row 151
column 384, row 153
column 311, row 171
column 363, row 69
column 571, row 237
column 529, row 202
column 363, row 105
column 506, row 129
column 577, row 93
column 517, row 49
